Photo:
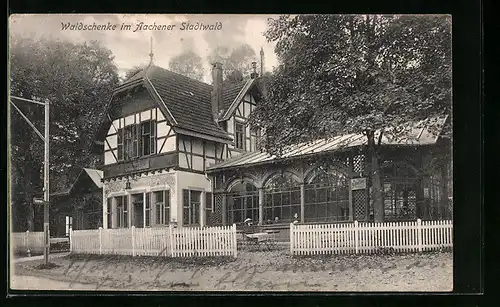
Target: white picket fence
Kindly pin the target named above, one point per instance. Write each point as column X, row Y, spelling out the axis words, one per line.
column 24, row 241
column 358, row 238
column 164, row 241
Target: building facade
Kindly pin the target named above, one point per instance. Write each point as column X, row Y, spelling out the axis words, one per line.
column 181, row 151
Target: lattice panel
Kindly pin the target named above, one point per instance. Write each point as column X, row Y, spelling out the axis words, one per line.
column 358, row 163
column 216, row 216
column 359, row 203
column 412, row 203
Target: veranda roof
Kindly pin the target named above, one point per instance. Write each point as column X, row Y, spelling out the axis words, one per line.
column 417, row 135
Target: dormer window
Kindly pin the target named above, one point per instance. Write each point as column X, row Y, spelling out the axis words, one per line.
column 136, row 140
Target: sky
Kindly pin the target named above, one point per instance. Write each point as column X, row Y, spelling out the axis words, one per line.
column 132, row 47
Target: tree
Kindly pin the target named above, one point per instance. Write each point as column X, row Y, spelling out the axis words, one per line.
column 133, row 71
column 341, row 74
column 188, row 64
column 77, row 79
column 236, row 62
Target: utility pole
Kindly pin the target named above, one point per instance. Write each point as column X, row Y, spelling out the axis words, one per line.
column 46, row 191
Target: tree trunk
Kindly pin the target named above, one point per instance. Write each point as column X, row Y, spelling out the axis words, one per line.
column 376, row 195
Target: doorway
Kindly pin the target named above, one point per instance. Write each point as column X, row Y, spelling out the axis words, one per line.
column 138, row 207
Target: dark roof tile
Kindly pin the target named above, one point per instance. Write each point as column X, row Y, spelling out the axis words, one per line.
column 229, row 92
column 187, row 99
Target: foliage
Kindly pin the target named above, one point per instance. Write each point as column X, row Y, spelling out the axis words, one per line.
column 236, row 62
column 77, row 80
column 188, row 64
column 133, row 71
column 353, row 73
column 342, row 74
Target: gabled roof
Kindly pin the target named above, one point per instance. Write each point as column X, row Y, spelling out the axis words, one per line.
column 186, row 102
column 229, row 93
column 187, row 99
column 94, row 175
column 243, row 87
column 418, row 134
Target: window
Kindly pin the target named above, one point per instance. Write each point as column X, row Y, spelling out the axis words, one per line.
column 121, row 211
column 191, row 207
column 148, row 140
column 239, row 129
column 399, row 202
column 326, row 197
column 136, row 140
column 281, row 199
column 243, row 203
column 110, row 212
column 120, row 144
column 130, row 142
column 162, row 207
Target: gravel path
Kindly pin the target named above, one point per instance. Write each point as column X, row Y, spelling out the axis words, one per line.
column 255, row 271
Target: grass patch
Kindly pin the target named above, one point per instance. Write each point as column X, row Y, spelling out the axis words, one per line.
column 46, row 266
column 150, row 260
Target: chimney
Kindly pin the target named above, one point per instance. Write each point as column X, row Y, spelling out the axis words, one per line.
column 254, row 74
column 216, row 89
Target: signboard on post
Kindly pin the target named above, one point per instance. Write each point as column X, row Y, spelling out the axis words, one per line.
column 358, row 183
column 39, row 201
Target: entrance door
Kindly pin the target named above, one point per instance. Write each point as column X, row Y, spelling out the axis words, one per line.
column 138, row 214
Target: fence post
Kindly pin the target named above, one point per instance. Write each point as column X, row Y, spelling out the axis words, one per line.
column 419, row 234
column 133, row 242
column 70, row 240
column 356, row 236
column 235, row 245
column 171, row 236
column 100, row 240
column 291, row 237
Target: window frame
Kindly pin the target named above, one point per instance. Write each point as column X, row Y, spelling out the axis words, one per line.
column 192, row 207
column 122, row 211
column 242, row 133
column 163, row 207
column 130, row 140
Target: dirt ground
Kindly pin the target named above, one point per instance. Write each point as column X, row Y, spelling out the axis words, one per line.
column 251, row 271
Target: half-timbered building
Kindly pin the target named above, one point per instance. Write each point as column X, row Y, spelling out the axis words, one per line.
column 177, row 150
column 162, row 131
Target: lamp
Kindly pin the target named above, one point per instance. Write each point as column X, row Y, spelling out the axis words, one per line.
column 127, row 185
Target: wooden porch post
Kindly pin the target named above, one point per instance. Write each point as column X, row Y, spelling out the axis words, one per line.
column 202, row 208
column 351, row 207
column 130, row 209
column 104, row 210
column 114, row 215
column 261, row 206
column 302, row 201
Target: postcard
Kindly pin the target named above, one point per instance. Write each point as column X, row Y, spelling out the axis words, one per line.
column 270, row 153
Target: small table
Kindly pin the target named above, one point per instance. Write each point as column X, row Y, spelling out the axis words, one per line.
column 260, row 238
